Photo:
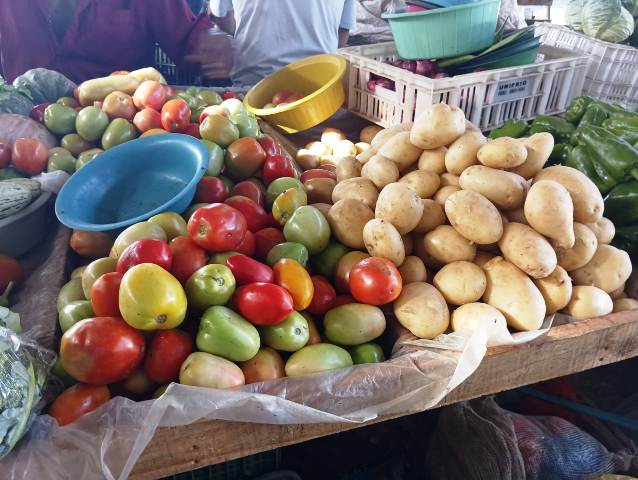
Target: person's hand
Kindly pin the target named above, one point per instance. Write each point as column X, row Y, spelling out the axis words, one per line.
column 214, row 53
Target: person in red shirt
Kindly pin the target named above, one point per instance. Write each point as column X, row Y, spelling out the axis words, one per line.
column 85, row 39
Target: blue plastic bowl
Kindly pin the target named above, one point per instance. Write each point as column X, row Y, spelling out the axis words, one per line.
column 132, row 182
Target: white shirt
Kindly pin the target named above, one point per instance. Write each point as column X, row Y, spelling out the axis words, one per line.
column 273, row 33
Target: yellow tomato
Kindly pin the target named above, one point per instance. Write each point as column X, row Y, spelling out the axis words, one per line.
column 292, row 276
column 151, row 298
column 172, row 223
column 154, row 131
column 137, row 231
column 286, row 204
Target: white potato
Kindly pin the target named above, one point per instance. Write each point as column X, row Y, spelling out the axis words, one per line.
column 604, row 230
column 422, row 309
column 344, row 148
column 364, row 157
column 443, row 193
column 369, row 132
column 361, row 147
column 408, row 244
column 474, row 217
column 384, row 135
column 556, row 290
column 539, row 147
column 437, row 126
column 460, row 282
column 528, row 250
column 446, row 245
column 347, row 168
column 423, row 182
column 624, row 304
column 503, row 152
column 506, row 190
column 347, row 218
column 585, row 245
column 399, row 149
column 413, row 270
column 381, row 171
column 482, row 257
column 308, row 159
column 383, row 240
column 549, row 210
column 462, row 152
column 358, row 188
column 608, row 269
column 433, row 160
column 619, row 292
column 588, row 302
column 432, row 217
column 332, row 136
column 449, row 179
column 319, row 148
column 399, row 205
column 478, row 316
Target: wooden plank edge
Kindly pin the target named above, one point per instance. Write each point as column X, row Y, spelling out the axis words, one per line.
column 566, row 349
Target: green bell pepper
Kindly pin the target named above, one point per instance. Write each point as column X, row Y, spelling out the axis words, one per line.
column 626, row 238
column 582, row 159
column 614, row 111
column 621, row 205
column 560, row 128
column 511, row 128
column 559, row 154
column 594, row 115
column 576, row 109
column 625, row 128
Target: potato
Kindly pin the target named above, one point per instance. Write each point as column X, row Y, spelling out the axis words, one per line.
column 446, row 245
column 387, row 133
column 604, row 230
column 408, row 244
column 399, row 205
column 503, row 152
column 413, row 270
column 483, row 257
column 588, row 302
column 347, row 168
column 516, row 215
column 608, row 269
column 506, row 190
column 556, row 289
column 358, row 188
column 474, row 316
column 381, row 171
column 344, row 148
column 585, row 245
column 347, row 218
column 307, row 159
column 422, row 309
column 474, row 217
column 448, row 179
column 549, row 210
column 319, row 148
column 528, row 250
column 399, row 149
column 319, row 190
column 369, row 132
column 514, row 294
column 437, row 126
column 539, row 147
column 332, row 136
column 433, row 160
column 432, row 217
column 364, row 157
column 382, row 239
column 324, row 208
column 329, row 160
column 419, row 250
column 624, row 304
column 587, row 200
column 424, row 183
column 462, row 153
column 443, row 193
column 361, row 147
column 460, row 282
column 619, row 292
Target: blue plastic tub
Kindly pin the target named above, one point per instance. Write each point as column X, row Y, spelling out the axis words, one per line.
column 132, row 182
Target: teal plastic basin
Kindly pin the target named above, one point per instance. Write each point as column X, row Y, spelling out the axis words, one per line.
column 445, row 32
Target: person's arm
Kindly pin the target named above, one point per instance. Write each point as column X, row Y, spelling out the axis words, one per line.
column 348, row 21
column 221, row 11
column 344, row 35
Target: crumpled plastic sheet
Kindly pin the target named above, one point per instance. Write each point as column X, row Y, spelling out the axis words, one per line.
column 107, row 442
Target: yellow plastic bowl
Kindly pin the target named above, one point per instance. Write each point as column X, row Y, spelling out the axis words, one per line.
column 318, row 78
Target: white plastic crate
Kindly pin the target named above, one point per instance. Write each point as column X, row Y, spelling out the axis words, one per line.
column 613, row 71
column 488, row 98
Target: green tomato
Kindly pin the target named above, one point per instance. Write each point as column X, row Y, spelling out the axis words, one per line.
column 196, row 113
column 227, row 334
column 67, row 102
column 192, row 102
column 192, row 91
column 279, row 186
column 251, row 128
column 70, row 292
column 190, row 210
column 91, row 123
column 220, row 258
column 309, row 227
column 229, row 183
column 326, row 262
column 73, row 312
column 367, row 353
column 212, row 284
column 61, row 161
column 86, row 157
column 287, row 336
column 215, row 158
column 233, row 105
column 58, row 371
column 353, row 324
column 57, row 151
column 286, row 204
column 296, row 251
column 218, row 129
column 316, row 358
column 95, row 270
column 75, row 144
column 60, row 119
column 119, row 131
column 209, row 97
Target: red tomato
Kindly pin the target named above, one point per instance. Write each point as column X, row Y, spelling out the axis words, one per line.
column 187, row 257
column 270, row 146
column 213, row 110
column 324, row 296
column 192, row 129
column 342, row 300
column 247, row 245
column 250, row 189
column 265, row 239
column 10, row 271
column 217, row 227
column 98, row 104
column 147, row 119
column 147, row 250
column 244, row 157
column 119, row 105
column 281, row 96
column 105, row 295
column 263, row 303
column 166, row 352
column 375, row 281
column 150, row 94
column 328, row 167
column 275, row 167
column 101, row 350
column 175, row 115
column 211, row 190
column 170, row 91
column 76, row 92
column 226, row 95
column 37, row 112
column 78, row 400
column 5, row 154
column 119, row 72
column 247, row 270
column 29, row 156
column 317, row 173
column 256, row 216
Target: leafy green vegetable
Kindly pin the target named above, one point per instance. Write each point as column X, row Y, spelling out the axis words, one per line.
column 45, row 85
column 14, row 99
column 607, row 20
column 574, row 14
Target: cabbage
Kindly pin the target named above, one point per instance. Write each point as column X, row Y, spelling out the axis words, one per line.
column 607, row 20
column 45, row 85
column 574, row 14
column 631, row 6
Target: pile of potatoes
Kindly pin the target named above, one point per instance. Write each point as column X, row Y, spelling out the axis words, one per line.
column 481, row 233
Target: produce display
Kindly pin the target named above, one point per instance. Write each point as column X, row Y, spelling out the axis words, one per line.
column 283, row 97
column 609, row 20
